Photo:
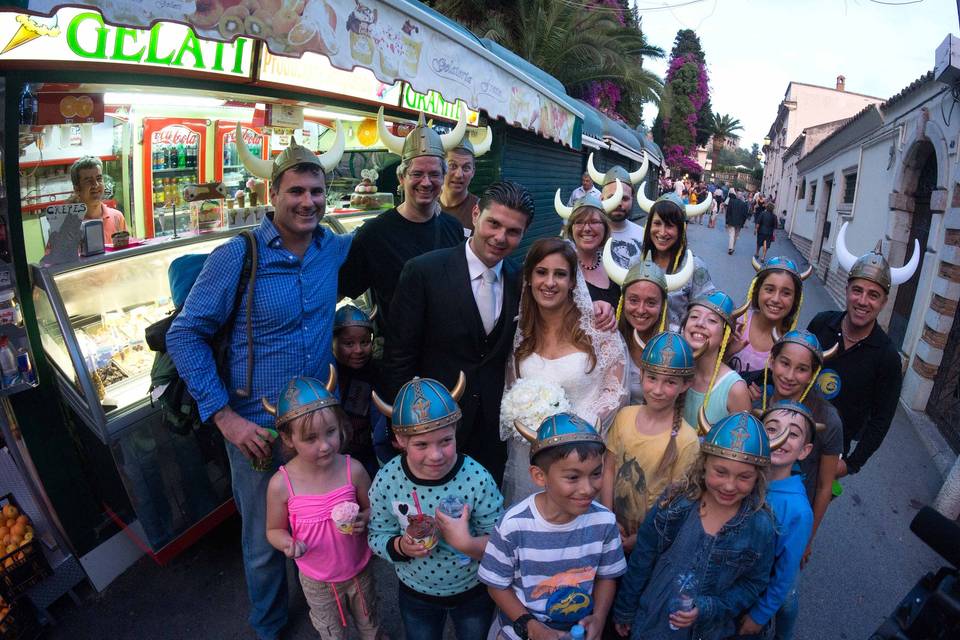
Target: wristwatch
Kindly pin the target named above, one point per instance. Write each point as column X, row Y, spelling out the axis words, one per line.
column 520, row 625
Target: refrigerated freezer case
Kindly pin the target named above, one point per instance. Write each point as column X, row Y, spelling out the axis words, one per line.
column 227, row 167
column 91, row 317
column 174, row 155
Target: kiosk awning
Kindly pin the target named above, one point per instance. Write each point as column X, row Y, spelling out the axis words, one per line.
column 395, row 39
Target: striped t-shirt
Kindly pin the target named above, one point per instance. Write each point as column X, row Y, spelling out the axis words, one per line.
column 537, row 557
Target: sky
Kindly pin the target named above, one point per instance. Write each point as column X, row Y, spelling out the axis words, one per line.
column 754, row 48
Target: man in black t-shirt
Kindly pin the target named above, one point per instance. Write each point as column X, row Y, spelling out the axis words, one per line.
column 863, row 379
column 766, row 224
column 382, row 246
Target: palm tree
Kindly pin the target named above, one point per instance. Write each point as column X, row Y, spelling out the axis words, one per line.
column 724, row 127
column 577, row 46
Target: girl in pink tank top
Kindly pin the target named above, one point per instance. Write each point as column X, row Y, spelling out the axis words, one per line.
column 317, row 513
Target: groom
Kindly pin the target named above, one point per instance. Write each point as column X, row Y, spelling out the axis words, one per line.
column 455, row 310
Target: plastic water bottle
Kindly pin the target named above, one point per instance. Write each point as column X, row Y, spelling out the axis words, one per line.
column 8, row 363
column 577, row 632
column 452, row 506
column 684, row 598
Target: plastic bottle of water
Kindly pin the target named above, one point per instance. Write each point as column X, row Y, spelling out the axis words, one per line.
column 684, row 598
column 8, row 363
column 576, row 632
column 452, row 506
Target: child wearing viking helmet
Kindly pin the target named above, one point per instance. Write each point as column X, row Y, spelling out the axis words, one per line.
column 317, row 510
column 650, row 445
column 705, row 551
column 707, row 328
column 435, row 553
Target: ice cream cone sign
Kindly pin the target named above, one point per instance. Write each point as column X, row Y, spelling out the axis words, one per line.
column 31, row 28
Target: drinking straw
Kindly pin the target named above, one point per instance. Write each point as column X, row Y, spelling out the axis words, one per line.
column 416, row 503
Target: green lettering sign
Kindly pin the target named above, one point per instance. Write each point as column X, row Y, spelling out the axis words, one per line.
column 73, row 42
column 190, row 45
column 238, row 46
column 153, row 46
column 121, row 36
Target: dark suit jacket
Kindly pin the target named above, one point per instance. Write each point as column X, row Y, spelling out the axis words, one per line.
column 737, row 213
column 435, row 331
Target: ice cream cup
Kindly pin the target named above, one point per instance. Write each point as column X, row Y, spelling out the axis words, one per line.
column 361, row 48
column 344, row 515
column 423, row 531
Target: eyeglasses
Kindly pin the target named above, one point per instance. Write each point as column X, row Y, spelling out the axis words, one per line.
column 417, row 176
column 591, row 223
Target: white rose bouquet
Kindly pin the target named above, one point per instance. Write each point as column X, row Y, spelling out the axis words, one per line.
column 530, row 401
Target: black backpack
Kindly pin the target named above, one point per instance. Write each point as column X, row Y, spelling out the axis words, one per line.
column 179, row 411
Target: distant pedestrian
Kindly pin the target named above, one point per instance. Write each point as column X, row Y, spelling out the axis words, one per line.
column 766, row 225
column 587, row 187
column 735, row 219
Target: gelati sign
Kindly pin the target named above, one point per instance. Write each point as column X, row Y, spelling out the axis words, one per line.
column 432, row 103
column 78, row 35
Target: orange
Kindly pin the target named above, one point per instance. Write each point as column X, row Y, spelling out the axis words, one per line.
column 24, row 520
column 11, row 522
column 16, row 540
column 4, row 531
column 18, row 529
column 5, row 540
column 10, row 511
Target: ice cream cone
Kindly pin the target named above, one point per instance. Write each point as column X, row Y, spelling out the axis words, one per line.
column 29, row 31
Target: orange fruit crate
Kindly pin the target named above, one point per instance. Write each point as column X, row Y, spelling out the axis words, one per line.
column 22, row 564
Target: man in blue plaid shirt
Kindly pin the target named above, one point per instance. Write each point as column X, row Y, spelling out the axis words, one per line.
column 295, row 296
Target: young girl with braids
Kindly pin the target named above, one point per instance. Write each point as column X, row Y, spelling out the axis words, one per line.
column 775, row 295
column 665, row 242
column 650, row 445
column 710, row 321
column 792, row 374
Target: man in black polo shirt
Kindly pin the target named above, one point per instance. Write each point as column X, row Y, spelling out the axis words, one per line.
column 863, row 379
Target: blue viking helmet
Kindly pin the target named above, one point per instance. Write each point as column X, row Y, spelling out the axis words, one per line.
column 562, row 428
column 667, row 353
column 605, row 205
column 721, row 304
column 303, row 395
column 352, row 316
column 797, row 407
column 810, row 341
column 423, row 405
column 780, row 263
column 739, row 436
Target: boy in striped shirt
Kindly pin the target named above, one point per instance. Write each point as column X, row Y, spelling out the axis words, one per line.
column 553, row 559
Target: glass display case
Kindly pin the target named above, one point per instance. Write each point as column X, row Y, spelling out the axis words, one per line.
column 91, row 317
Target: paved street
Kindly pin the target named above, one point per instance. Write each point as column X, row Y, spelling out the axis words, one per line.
column 865, row 558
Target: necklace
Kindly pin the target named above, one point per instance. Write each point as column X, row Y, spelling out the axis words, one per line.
column 596, row 263
column 849, row 338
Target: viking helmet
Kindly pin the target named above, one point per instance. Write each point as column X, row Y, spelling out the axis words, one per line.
column 293, row 155
column 721, row 304
column 352, row 316
column 647, row 270
column 588, row 200
column 303, row 395
column 476, row 150
column 691, row 210
column 562, row 428
column 873, row 266
column 616, row 172
column 739, row 436
column 780, row 263
column 777, row 440
column 423, row 140
column 423, row 405
column 669, row 354
column 806, row 339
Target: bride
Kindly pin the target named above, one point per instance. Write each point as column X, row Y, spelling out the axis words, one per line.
column 557, row 342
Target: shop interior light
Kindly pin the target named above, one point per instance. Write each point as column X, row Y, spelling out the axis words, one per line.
column 161, row 99
column 331, row 115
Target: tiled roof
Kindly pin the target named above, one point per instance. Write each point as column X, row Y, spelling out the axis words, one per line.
column 906, row 91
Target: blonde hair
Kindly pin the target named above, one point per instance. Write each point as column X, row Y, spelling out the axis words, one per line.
column 693, row 484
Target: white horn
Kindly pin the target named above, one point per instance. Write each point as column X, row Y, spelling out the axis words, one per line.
column 643, row 201
column 595, row 175
column 844, row 257
column 452, row 139
column 756, row 263
column 562, row 210
column 394, row 144
column 482, row 147
column 641, row 173
column 257, row 166
column 611, row 203
column 899, row 275
column 614, row 271
column 677, row 280
column 331, row 158
column 694, row 210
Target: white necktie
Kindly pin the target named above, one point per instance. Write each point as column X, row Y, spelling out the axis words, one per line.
column 487, row 300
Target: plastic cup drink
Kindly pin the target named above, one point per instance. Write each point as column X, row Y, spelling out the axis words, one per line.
column 423, row 530
column 452, row 506
column 343, row 515
column 683, row 602
column 264, row 464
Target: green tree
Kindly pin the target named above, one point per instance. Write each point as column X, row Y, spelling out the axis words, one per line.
column 687, row 42
column 684, row 105
column 597, row 51
column 724, row 127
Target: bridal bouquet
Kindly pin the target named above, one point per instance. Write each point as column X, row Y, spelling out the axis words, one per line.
column 530, row 401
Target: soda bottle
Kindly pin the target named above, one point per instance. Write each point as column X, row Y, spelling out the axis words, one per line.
column 161, row 156
column 181, row 156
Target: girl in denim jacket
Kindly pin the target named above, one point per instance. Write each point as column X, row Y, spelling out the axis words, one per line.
column 705, row 551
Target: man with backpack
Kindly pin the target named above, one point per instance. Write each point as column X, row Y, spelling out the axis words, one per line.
column 282, row 329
